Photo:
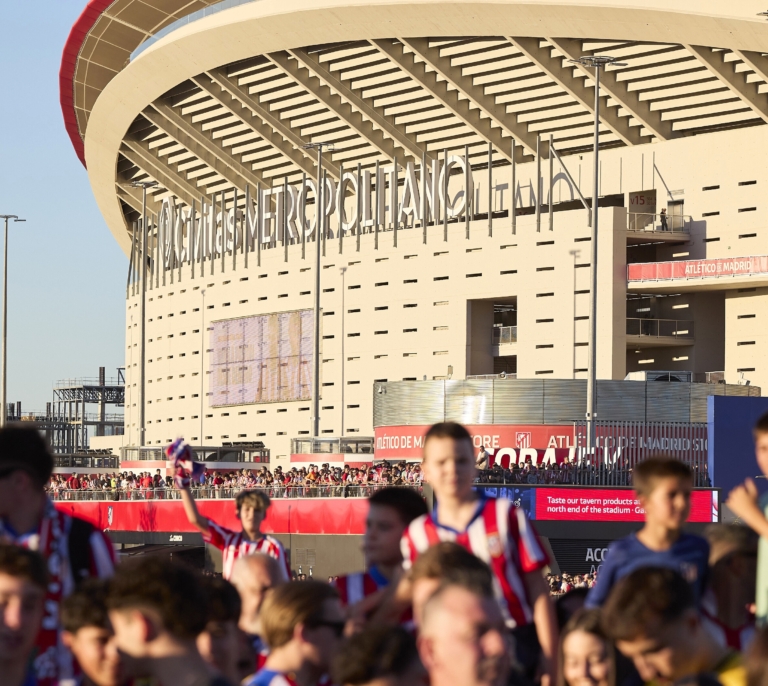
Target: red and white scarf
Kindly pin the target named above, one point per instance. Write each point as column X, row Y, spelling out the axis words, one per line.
column 52, row 662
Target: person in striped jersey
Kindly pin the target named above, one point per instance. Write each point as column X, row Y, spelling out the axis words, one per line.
column 390, row 512
column 251, row 508
column 303, row 625
column 495, row 531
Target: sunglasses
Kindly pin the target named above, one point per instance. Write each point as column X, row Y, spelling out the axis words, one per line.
column 336, row 626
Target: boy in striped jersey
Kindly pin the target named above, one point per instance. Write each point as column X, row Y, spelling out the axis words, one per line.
column 390, row 512
column 251, row 507
column 495, row 531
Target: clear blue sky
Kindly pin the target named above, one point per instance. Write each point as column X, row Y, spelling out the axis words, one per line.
column 66, row 275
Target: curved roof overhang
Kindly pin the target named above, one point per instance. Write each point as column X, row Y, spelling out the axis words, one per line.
column 268, row 26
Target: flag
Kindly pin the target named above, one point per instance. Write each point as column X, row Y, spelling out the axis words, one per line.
column 186, row 469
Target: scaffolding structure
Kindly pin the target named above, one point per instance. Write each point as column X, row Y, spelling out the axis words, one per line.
column 67, row 423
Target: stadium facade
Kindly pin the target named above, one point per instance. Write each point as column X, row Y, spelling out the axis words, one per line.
column 455, row 204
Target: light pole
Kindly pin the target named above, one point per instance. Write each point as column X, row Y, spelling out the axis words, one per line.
column 4, row 388
column 343, row 271
column 143, row 339
column 319, row 227
column 597, row 62
column 202, row 363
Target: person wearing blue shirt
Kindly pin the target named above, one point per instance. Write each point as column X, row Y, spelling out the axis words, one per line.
column 663, row 488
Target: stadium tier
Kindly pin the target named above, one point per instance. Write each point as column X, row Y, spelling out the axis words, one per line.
column 442, row 153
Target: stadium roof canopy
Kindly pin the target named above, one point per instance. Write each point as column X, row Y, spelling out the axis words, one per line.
column 205, row 96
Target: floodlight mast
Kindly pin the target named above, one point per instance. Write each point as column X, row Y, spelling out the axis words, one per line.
column 319, row 227
column 596, row 62
column 143, row 356
column 4, row 386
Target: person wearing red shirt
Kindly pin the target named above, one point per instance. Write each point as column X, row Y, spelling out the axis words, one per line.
column 390, row 512
column 497, row 532
column 73, row 482
column 251, row 509
column 73, row 548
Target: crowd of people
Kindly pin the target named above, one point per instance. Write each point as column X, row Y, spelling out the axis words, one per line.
column 297, row 482
column 456, row 596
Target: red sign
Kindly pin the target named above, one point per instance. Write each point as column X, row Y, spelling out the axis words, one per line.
column 504, row 441
column 697, row 269
column 610, row 505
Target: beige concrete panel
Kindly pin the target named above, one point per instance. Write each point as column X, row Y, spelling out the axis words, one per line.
column 746, row 337
column 229, row 36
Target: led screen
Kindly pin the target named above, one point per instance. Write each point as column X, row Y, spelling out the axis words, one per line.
column 261, row 359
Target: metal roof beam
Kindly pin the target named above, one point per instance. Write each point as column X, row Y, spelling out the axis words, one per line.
column 450, row 98
column 619, row 90
column 139, row 153
column 727, row 75
column 577, row 88
column 206, row 148
column 270, row 127
column 348, row 105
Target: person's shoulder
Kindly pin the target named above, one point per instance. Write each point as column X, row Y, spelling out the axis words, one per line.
column 688, row 541
column 269, row 677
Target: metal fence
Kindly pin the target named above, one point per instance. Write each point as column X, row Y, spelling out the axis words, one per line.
column 542, row 401
column 86, row 461
column 658, row 223
column 245, row 453
column 675, row 328
column 211, row 493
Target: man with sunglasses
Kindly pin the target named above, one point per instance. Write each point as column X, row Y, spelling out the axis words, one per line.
column 303, row 625
column 73, row 548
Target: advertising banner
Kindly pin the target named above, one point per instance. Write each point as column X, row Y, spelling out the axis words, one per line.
column 549, row 443
column 697, row 269
column 406, row 442
column 563, row 503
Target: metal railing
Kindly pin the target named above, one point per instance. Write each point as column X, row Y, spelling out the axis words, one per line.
column 255, row 453
column 658, row 223
column 332, row 446
column 573, row 476
column 89, row 381
column 678, row 328
column 215, row 493
column 504, row 334
column 86, row 461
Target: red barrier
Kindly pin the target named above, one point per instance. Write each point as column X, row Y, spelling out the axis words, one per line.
column 294, row 516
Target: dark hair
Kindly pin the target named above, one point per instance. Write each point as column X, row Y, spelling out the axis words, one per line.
column 375, row 653
column 87, row 606
column 648, row 472
column 761, row 425
column 588, row 621
column 223, row 599
column 452, row 430
column 288, row 605
column 22, row 563
column 757, row 659
column 405, row 501
column 568, row 604
column 170, row 589
column 644, row 599
column 456, row 566
column 22, row 446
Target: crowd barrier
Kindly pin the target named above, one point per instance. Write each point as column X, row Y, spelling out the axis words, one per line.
column 212, row 493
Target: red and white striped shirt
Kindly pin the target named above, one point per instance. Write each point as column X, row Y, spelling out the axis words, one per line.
column 354, row 587
column 233, row 544
column 500, row 535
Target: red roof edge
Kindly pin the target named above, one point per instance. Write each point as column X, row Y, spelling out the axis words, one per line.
column 72, row 47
